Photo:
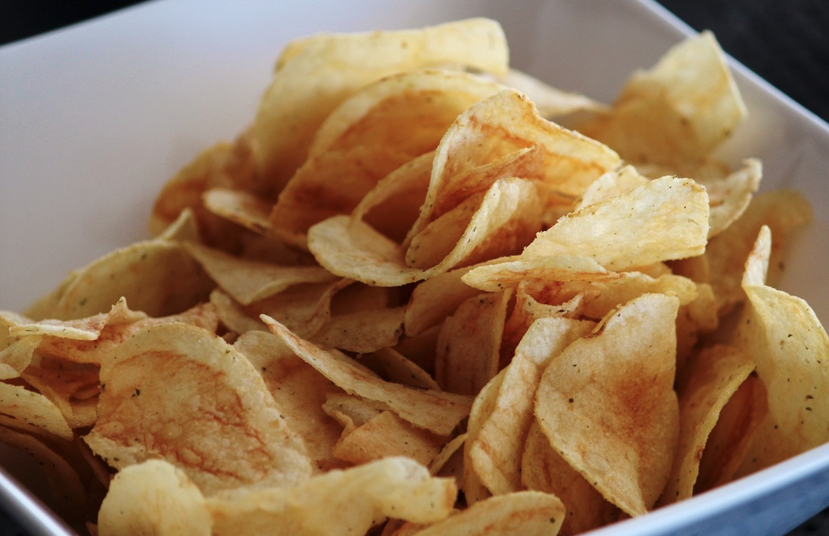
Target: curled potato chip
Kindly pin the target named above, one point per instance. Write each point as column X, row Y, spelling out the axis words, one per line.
column 791, row 349
column 495, row 450
column 242, row 208
column 614, row 182
column 730, row 196
column 510, row 271
column 355, row 499
column 399, row 369
column 299, row 392
column 607, row 403
column 27, row 407
column 714, row 376
column 15, row 357
column 153, row 497
column 432, row 410
column 550, row 101
column 435, row 299
column 325, row 70
column 469, row 342
column 151, row 406
column 71, row 386
column 362, row 331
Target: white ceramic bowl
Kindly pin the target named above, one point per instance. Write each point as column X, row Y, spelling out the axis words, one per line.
column 94, row 119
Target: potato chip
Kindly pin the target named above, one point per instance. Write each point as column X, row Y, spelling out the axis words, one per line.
column 607, row 403
column 732, row 436
column 510, row 271
column 530, row 512
column 435, row 299
column 471, row 484
column 362, row 331
column 662, row 220
column 550, row 101
column 151, row 406
column 442, row 464
column 299, row 392
column 153, row 497
column 730, row 196
column 393, row 365
column 15, row 357
column 250, row 281
column 612, row 183
column 356, row 499
column 241, row 208
column 791, row 349
column 432, row 410
column 349, row 411
column 27, row 407
column 327, row 69
column 409, row 111
column 503, row 223
column 387, row 435
column 495, row 450
column 468, row 345
column 714, row 376
column 678, row 111
column 72, row 387
column 543, row 469
column 155, row 276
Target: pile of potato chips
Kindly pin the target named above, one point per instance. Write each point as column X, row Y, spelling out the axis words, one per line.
column 407, row 300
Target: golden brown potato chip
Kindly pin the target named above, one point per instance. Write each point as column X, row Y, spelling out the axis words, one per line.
column 153, row 497
column 152, row 406
column 469, row 342
column 435, row 299
column 299, row 392
column 510, row 271
column 433, row 410
column 495, row 450
column 355, row 500
column 791, row 349
column 249, row 281
column 662, row 220
column 72, row 387
column 387, row 435
column 325, row 70
column 543, row 469
column 531, row 512
column 607, row 403
column 714, row 376
column 678, row 111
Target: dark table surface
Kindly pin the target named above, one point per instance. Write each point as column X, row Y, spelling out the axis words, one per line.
column 786, row 43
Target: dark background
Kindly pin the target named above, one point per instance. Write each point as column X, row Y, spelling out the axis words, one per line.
column 785, row 42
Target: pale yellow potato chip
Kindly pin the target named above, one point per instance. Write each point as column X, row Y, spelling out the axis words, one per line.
column 471, row 484
column 662, row 220
column 680, row 110
column 468, row 344
column 249, row 281
column 496, row 449
column 510, row 271
column 27, row 407
column 614, row 182
column 714, row 376
column 299, row 392
column 409, row 111
column 432, row 410
column 387, row 435
column 349, row 411
column 362, row 331
column 730, row 196
column 543, row 469
column 537, row 514
column 152, row 406
column 71, row 386
column 15, row 357
column 791, row 349
column 153, row 497
column 442, row 463
column 607, row 403
column 355, row 500
column 155, row 276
